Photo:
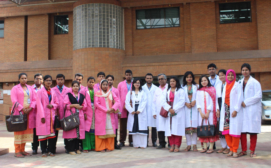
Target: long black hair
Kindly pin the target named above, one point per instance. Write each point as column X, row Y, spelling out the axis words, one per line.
column 178, row 85
column 200, row 79
column 186, row 75
column 134, row 81
column 21, row 74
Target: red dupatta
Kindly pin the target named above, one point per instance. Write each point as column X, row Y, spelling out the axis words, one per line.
column 212, row 92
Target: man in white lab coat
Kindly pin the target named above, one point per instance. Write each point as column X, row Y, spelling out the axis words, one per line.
column 149, row 88
column 158, row 96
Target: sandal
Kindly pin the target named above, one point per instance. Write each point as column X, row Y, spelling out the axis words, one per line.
column 85, row 151
column 72, row 153
column 176, row 149
column 203, row 150
column 235, row 155
column 108, row 150
column 210, row 151
column 171, row 148
column 78, row 152
column 188, row 148
column 230, row 154
column 44, row 155
column 26, row 154
column 221, row 150
column 252, row 154
column 51, row 154
column 195, row 149
column 102, row 151
column 19, row 155
column 243, row 153
column 226, row 151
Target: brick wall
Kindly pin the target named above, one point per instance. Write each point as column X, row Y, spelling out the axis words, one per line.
column 37, row 38
column 12, row 45
column 153, row 41
column 264, row 23
column 90, row 61
column 61, row 45
column 237, row 36
column 203, row 27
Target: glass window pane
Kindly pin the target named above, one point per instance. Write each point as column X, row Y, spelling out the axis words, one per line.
column 172, row 17
column 157, row 18
column 1, row 33
column 61, row 24
column 1, row 24
column 235, row 12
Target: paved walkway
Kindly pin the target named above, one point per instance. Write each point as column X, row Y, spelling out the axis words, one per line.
column 130, row 157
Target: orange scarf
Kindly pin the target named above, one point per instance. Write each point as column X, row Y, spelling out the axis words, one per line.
column 228, row 91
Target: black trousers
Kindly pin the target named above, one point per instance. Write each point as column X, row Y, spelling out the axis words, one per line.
column 123, row 130
column 35, row 143
column 153, row 135
column 55, row 141
column 72, row 145
column 48, row 143
column 116, row 138
column 161, row 136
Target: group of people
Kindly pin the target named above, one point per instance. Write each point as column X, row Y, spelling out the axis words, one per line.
column 219, row 100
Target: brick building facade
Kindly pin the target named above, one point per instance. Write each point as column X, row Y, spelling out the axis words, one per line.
column 115, row 38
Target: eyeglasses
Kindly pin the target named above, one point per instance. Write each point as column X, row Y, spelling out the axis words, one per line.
column 161, row 79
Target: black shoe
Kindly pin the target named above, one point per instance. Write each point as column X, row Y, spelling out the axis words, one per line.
column 118, row 147
column 35, row 152
column 214, row 146
column 122, row 144
column 160, row 147
column 66, row 151
column 154, row 144
column 131, row 144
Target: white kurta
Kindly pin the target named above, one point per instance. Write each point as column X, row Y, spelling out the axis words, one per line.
column 142, row 116
column 252, row 112
column 195, row 113
column 158, row 97
column 200, row 104
column 178, row 121
column 151, row 122
column 235, row 105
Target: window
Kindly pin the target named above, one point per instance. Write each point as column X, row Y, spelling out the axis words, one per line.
column 157, row 18
column 1, row 28
column 235, row 12
column 61, row 24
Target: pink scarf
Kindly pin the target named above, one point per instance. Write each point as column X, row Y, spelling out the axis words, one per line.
column 211, row 91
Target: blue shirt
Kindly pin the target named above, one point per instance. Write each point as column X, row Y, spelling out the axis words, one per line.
column 213, row 81
column 129, row 85
column 60, row 89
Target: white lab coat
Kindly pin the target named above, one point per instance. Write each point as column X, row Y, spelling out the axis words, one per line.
column 151, row 122
column 142, row 116
column 217, row 84
column 218, row 89
column 200, row 104
column 158, row 99
column 178, row 121
column 236, row 123
column 194, row 109
column 252, row 112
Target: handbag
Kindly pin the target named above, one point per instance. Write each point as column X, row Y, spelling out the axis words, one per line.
column 206, row 131
column 57, row 123
column 16, row 123
column 163, row 112
column 70, row 122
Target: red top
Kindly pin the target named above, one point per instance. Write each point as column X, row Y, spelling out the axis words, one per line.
column 171, row 96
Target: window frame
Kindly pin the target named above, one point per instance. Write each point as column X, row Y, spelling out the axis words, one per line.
column 177, row 7
column 3, row 29
column 55, row 16
column 239, row 11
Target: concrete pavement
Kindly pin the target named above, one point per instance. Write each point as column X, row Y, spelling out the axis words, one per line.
column 130, row 157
